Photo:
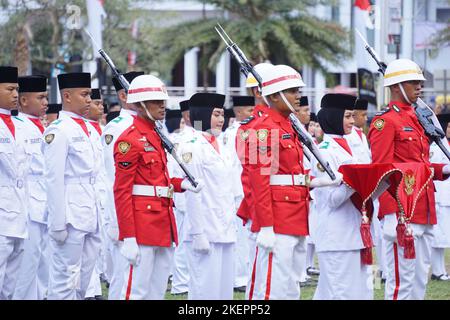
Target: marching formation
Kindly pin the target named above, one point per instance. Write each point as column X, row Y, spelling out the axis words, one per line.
column 83, row 201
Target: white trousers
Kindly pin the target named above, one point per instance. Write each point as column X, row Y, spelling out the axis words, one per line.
column 148, row 280
column 242, row 263
column 211, row 275
column 11, row 253
column 343, row 277
column 252, row 249
column 120, row 266
column 180, row 278
column 32, row 282
column 276, row 273
column 438, row 261
column 95, row 287
column 406, row 279
column 72, row 264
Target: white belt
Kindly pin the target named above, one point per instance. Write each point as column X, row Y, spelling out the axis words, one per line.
column 35, row 177
column 19, row 183
column 152, row 191
column 289, row 180
column 80, row 180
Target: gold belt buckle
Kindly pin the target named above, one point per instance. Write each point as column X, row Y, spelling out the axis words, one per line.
column 170, row 192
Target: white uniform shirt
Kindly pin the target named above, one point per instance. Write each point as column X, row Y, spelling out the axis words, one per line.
column 442, row 193
column 36, row 180
column 212, row 210
column 338, row 221
column 100, row 182
column 111, row 133
column 70, row 175
column 359, row 146
column 13, row 170
column 228, row 141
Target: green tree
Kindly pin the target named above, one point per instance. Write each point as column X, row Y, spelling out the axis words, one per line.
column 38, row 34
column 282, row 31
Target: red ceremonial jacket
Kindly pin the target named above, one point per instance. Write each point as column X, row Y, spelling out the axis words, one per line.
column 278, row 152
column 396, row 135
column 247, row 207
column 140, row 159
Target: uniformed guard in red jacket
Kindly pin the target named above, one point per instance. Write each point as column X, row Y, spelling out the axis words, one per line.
column 143, row 194
column 280, row 187
column 396, row 135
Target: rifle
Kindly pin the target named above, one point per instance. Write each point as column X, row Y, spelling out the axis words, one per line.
column 424, row 113
column 246, row 68
column 168, row 145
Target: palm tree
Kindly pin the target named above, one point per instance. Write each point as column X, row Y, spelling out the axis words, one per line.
column 282, row 31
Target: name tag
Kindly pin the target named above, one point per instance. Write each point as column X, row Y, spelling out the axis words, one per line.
column 286, row 136
column 77, row 139
column 409, row 129
column 149, row 149
column 5, row 140
column 36, row 140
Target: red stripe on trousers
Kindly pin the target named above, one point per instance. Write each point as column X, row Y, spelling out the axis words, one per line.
column 130, row 278
column 397, row 273
column 269, row 277
column 252, row 287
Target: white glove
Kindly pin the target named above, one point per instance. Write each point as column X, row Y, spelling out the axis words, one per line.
column 200, row 244
column 113, row 233
column 186, row 185
column 266, row 238
column 130, row 250
column 326, row 181
column 59, row 236
column 446, row 169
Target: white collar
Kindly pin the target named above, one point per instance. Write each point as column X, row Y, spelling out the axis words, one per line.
column 27, row 115
column 71, row 114
column 5, row 111
column 130, row 112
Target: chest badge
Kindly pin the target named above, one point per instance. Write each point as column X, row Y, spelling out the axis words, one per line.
column 379, row 124
column 108, row 138
column 320, row 167
column 244, row 135
column 187, row 157
column 124, row 147
column 225, row 139
column 262, row 134
column 49, row 138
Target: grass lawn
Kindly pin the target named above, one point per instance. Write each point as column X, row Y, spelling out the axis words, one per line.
column 436, row 290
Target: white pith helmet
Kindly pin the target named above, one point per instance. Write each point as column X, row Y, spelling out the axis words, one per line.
column 146, row 88
column 402, row 70
column 282, row 77
column 260, row 68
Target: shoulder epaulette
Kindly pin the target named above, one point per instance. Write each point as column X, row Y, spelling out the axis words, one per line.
column 117, row 119
column 16, row 117
column 248, row 120
column 385, row 110
column 324, row 145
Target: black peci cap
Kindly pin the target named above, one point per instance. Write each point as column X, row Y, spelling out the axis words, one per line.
column 74, row 80
column 32, row 84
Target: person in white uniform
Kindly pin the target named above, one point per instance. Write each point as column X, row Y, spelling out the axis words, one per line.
column 360, row 148
column 116, row 264
column 441, row 239
column 33, row 104
column 210, row 219
column 243, row 108
column 343, row 276
column 93, row 118
column 180, row 272
column 70, row 177
column 13, row 194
